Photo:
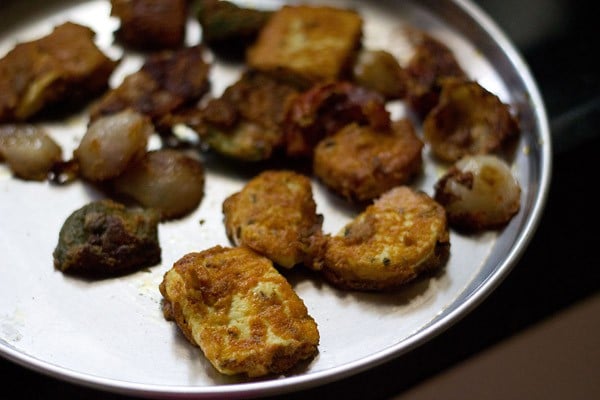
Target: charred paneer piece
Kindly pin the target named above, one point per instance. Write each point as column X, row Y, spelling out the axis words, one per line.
column 312, row 43
column 105, row 238
column 242, row 313
column 168, row 80
column 402, row 235
column 275, row 215
column 151, row 24
column 62, row 69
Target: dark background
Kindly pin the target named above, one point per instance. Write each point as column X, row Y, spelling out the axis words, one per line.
column 559, row 41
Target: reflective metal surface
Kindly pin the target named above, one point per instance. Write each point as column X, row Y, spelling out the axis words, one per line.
column 111, row 334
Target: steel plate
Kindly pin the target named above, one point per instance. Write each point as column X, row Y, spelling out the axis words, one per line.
column 110, row 334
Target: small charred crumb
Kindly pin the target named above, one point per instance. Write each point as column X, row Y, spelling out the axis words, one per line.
column 229, row 29
column 105, row 238
column 151, row 24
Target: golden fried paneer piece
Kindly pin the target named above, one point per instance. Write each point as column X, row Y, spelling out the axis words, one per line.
column 360, row 163
column 275, row 215
column 468, row 120
column 168, row 80
column 431, row 62
column 151, row 24
column 64, row 68
column 313, row 43
column 402, row 235
column 241, row 312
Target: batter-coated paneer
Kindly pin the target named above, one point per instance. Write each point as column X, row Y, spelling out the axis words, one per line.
column 361, row 163
column 275, row 215
column 64, row 68
column 401, row 236
column 315, row 43
column 242, row 313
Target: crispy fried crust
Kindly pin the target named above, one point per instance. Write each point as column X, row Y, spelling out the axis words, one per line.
column 240, row 311
column 63, row 68
column 312, row 42
column 402, row 235
column 275, row 215
column 361, row 164
column 167, row 80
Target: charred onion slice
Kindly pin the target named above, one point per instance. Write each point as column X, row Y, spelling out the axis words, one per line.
column 167, row 180
column 479, row 192
column 111, row 143
column 28, row 150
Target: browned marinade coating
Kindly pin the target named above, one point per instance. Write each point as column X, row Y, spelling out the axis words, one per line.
column 167, row 80
column 245, row 122
column 104, row 238
column 151, row 24
column 468, row 120
column 401, row 236
column 62, row 69
column 326, row 108
column 241, row 312
column 360, row 163
column 431, row 62
column 275, row 215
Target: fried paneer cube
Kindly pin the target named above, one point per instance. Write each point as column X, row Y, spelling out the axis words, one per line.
column 315, row 43
column 468, row 120
column 242, row 313
column 275, row 215
column 64, row 68
column 168, row 80
column 105, row 238
column 360, row 163
column 402, row 235
column 151, row 24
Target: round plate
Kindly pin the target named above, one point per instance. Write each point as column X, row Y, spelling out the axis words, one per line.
column 111, row 334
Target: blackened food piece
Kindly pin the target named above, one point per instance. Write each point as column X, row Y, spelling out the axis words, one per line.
column 151, row 24
column 105, row 238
